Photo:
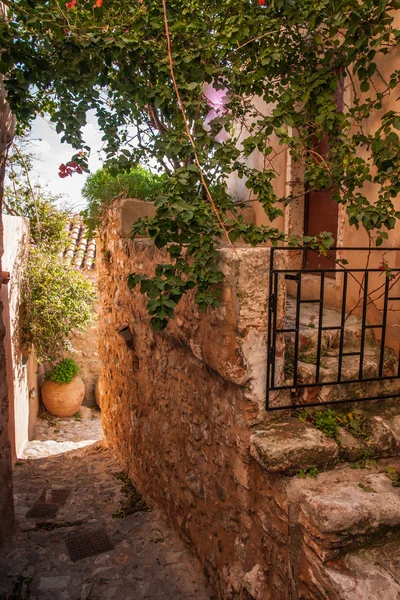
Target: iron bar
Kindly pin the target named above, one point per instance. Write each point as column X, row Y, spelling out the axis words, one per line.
column 363, row 324
column 309, row 271
column 274, row 316
column 342, row 325
column 297, row 334
column 328, row 383
column 320, row 319
column 384, row 322
column 341, row 248
column 347, row 401
column 270, row 364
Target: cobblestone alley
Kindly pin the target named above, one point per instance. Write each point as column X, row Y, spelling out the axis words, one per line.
column 69, row 503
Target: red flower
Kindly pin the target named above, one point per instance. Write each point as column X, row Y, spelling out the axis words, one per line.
column 69, row 169
column 382, row 266
column 98, row 3
column 261, row 2
column 71, row 4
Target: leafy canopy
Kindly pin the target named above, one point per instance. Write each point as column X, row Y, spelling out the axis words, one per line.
column 114, row 59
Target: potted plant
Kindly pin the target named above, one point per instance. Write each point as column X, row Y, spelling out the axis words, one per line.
column 63, row 390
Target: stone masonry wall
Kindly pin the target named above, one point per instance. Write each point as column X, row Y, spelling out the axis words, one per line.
column 184, row 411
column 85, row 345
column 179, row 406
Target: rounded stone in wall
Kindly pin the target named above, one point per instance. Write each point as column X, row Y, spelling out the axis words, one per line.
column 97, row 392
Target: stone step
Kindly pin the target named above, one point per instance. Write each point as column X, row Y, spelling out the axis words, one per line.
column 329, row 367
column 291, row 445
column 372, row 574
column 329, row 359
column 309, row 324
column 345, row 509
column 306, row 374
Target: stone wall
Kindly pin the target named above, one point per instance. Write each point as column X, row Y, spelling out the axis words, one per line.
column 86, row 354
column 178, row 407
column 6, row 490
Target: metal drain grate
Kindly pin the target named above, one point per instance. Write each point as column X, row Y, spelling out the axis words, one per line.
column 48, row 504
column 87, row 543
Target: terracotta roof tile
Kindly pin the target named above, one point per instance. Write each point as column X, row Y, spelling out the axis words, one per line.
column 81, row 251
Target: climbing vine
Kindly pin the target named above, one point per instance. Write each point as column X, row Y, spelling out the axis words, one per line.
column 195, row 88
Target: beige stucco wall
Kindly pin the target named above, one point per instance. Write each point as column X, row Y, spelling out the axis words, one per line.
column 21, row 375
column 6, row 483
column 237, row 187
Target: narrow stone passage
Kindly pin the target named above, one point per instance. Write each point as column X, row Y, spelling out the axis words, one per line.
column 148, row 560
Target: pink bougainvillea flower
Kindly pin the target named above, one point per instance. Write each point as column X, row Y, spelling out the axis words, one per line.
column 69, row 169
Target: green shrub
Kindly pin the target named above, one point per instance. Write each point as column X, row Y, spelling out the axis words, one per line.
column 64, row 371
column 101, row 188
column 58, row 301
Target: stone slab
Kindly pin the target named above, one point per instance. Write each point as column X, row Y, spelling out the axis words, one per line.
column 372, row 574
column 290, row 446
column 345, row 508
column 131, row 211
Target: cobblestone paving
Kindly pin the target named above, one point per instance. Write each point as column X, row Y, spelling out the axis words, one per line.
column 148, row 562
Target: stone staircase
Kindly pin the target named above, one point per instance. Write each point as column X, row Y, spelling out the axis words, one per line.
column 341, row 485
column 342, row 488
column 343, row 504
column 329, row 362
column 349, row 525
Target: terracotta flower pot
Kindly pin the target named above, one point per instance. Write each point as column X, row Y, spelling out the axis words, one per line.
column 63, row 399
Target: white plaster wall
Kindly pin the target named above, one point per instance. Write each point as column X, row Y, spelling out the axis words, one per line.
column 21, row 376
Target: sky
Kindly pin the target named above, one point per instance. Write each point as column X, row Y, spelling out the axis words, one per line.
column 50, row 153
